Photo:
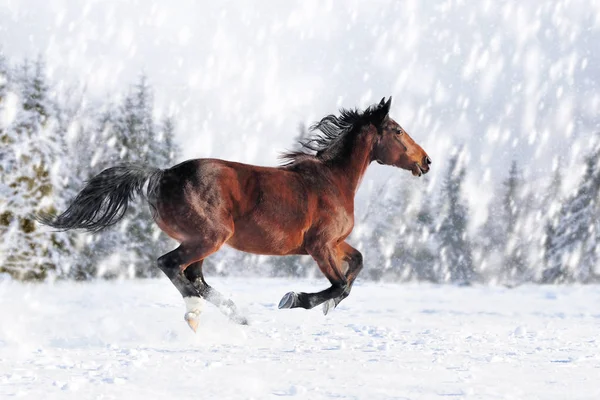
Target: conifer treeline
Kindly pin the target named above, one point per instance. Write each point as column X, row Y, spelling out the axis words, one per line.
column 530, row 235
column 50, row 144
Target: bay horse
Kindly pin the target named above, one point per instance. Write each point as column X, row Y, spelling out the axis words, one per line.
column 304, row 206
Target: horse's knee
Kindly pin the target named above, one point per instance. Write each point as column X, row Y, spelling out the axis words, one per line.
column 356, row 261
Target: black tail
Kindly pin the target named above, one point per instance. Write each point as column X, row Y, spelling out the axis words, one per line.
column 104, row 199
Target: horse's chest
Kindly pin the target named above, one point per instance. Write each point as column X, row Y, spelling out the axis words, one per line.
column 337, row 221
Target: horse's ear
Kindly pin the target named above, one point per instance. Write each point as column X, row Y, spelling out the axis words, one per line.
column 383, row 109
column 388, row 103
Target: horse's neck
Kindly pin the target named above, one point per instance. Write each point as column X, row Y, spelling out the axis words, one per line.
column 351, row 169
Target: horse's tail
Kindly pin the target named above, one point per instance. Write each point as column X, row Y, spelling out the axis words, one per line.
column 104, row 199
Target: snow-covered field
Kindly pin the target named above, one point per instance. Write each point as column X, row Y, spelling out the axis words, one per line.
column 125, row 340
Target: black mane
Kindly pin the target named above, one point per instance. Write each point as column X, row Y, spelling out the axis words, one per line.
column 336, row 134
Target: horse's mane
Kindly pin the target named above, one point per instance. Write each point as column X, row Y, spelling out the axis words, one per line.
column 336, row 133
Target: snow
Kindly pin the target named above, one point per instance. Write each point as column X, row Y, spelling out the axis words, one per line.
column 128, row 339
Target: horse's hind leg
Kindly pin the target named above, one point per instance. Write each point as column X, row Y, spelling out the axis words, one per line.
column 173, row 264
column 227, row 307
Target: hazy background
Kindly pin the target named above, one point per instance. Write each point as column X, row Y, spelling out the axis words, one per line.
column 504, row 79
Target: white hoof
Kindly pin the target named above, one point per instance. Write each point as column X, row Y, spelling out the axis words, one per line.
column 289, row 300
column 193, row 320
column 328, row 306
column 193, row 307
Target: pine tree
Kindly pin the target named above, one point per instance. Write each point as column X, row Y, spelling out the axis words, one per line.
column 4, row 75
column 396, row 234
column 507, row 238
column 135, row 138
column 95, row 127
column 455, row 250
column 424, row 247
column 6, row 139
column 491, row 240
column 549, row 212
column 392, row 236
column 133, row 134
column 4, row 79
column 572, row 251
column 374, row 233
column 30, row 181
column 411, row 230
column 515, row 264
column 114, row 134
column 165, row 143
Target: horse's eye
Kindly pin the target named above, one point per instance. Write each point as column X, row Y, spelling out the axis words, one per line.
column 399, row 131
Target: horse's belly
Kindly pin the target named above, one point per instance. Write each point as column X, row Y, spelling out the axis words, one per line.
column 252, row 237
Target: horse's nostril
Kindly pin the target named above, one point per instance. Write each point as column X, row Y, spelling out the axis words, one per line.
column 427, row 160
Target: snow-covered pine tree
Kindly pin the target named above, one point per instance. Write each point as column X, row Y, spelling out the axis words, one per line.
column 572, row 249
column 514, row 265
column 395, row 234
column 5, row 141
column 424, row 247
column 550, row 209
column 545, row 217
column 551, row 200
column 392, row 235
column 30, row 181
column 371, row 232
column 4, row 71
column 165, row 143
column 4, row 113
column 411, row 231
column 502, row 240
column 531, row 231
column 93, row 150
column 115, row 134
column 489, row 243
column 136, row 138
column 455, row 257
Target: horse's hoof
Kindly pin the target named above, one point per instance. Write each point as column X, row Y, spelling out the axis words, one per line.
column 289, row 300
column 193, row 320
column 328, row 305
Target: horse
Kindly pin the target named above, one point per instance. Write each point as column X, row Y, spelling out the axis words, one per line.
column 303, row 206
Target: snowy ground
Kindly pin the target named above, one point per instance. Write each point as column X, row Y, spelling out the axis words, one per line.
column 125, row 340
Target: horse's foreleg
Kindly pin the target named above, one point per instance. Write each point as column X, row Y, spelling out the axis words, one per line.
column 355, row 264
column 329, row 261
column 194, row 274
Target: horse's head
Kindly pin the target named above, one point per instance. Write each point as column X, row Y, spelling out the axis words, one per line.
column 395, row 147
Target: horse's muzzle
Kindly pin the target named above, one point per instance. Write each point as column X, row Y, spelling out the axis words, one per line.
column 419, row 169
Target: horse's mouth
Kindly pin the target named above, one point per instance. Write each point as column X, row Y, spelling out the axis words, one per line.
column 418, row 170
